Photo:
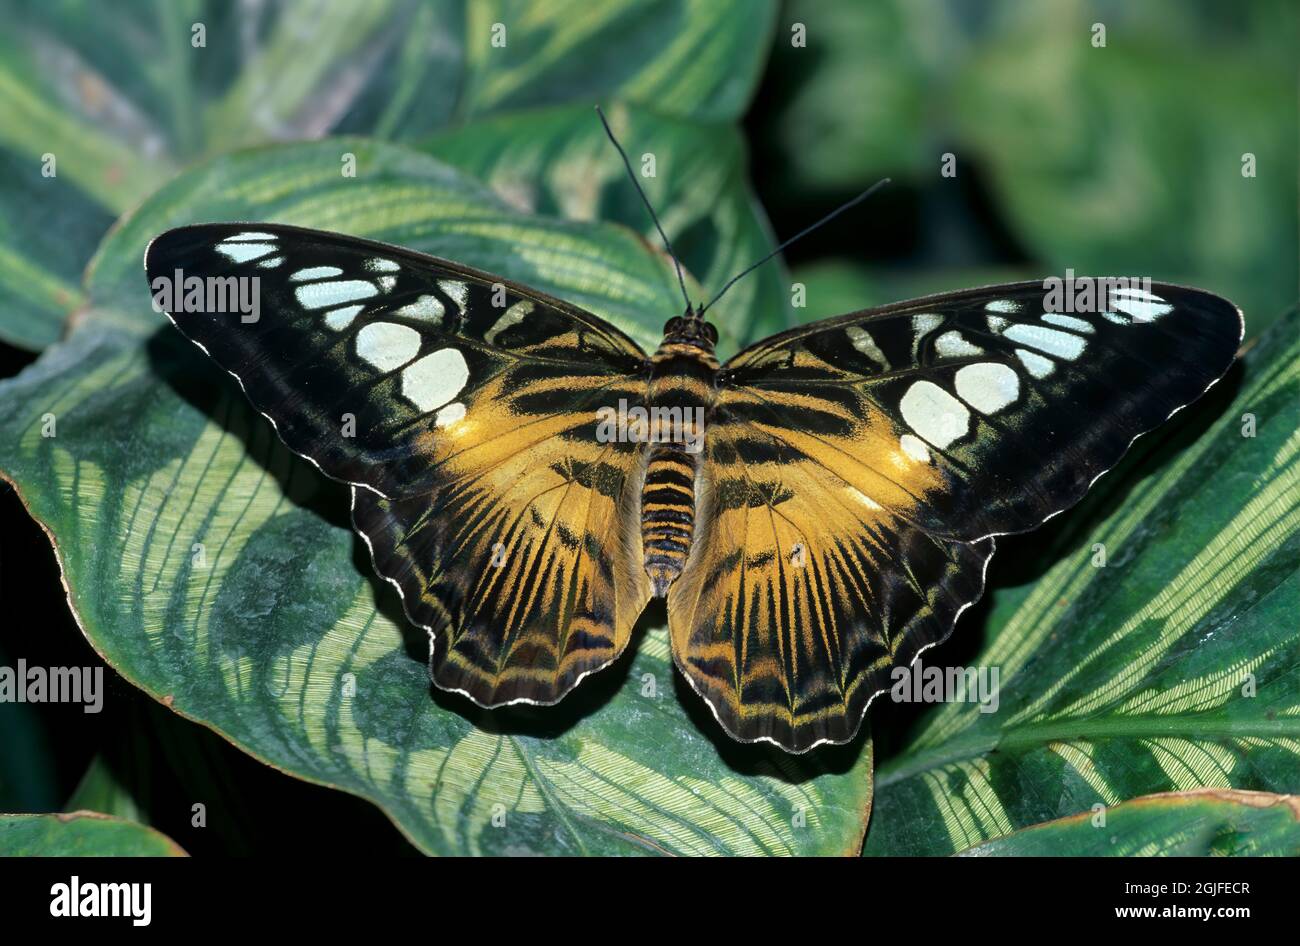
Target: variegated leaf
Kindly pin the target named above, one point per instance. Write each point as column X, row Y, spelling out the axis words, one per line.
column 1204, row 822
column 119, row 98
column 1173, row 666
column 81, row 834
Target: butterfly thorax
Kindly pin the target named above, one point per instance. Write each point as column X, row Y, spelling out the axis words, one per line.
column 682, row 383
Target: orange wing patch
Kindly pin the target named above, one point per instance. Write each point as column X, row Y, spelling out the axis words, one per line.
column 807, row 581
column 525, row 565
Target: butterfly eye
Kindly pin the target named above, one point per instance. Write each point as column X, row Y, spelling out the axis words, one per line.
column 672, row 325
column 711, row 333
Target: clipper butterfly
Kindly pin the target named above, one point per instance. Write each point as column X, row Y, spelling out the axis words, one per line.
column 816, row 510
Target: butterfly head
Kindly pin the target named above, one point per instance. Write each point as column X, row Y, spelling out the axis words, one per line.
column 690, row 329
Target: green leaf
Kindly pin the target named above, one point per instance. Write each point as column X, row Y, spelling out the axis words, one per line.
column 558, row 162
column 1174, row 667
column 104, row 790
column 1125, row 160
column 1122, row 160
column 856, row 101
column 1201, row 823
column 158, row 458
column 697, row 58
column 119, row 97
column 81, row 834
column 154, row 767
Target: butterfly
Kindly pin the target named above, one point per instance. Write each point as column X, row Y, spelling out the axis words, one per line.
column 817, row 510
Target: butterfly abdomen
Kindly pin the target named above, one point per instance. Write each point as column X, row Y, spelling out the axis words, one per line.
column 667, row 513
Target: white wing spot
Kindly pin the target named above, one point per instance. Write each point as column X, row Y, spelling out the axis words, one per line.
column 915, row 448
column 1136, row 292
column 1141, row 309
column 339, row 319
column 952, row 345
column 1002, row 305
column 997, row 324
column 988, row 386
column 323, row 295
column 1036, row 364
column 1070, row 322
column 425, row 307
column 387, row 345
column 243, row 252
column 435, row 379
column 865, row 343
column 934, row 414
column 386, row 283
column 1053, row 341
column 380, row 265
column 315, row 272
column 272, row 263
column 925, row 322
column 249, row 235
column 1116, row 318
column 458, row 291
column 512, row 316
column 449, row 414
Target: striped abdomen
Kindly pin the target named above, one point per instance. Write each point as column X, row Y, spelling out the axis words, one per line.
column 667, row 513
column 682, row 380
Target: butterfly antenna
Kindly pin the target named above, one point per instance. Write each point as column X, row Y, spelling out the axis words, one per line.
column 804, row 232
column 681, row 281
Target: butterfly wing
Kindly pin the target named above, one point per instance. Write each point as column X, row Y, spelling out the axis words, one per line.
column 857, row 469
column 461, row 408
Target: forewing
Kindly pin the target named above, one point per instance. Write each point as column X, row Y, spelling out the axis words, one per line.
column 463, row 409
column 361, row 353
column 856, row 470
column 976, row 413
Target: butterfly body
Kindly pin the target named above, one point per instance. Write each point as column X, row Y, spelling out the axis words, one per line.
column 683, row 381
column 818, row 510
